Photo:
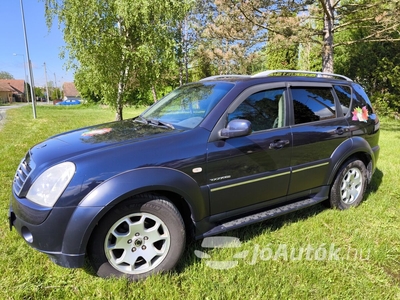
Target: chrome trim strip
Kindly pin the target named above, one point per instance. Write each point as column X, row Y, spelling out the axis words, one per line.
column 311, row 167
column 248, row 181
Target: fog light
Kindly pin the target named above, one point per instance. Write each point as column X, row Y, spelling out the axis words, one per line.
column 27, row 235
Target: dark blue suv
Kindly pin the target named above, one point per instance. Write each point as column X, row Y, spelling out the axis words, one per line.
column 210, row 157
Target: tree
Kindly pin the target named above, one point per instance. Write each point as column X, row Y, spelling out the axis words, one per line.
column 375, row 65
column 56, row 93
column 39, row 92
column 379, row 18
column 282, row 53
column 5, row 75
column 226, row 42
column 290, row 21
column 117, row 46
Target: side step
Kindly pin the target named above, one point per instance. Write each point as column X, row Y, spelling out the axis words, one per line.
column 262, row 216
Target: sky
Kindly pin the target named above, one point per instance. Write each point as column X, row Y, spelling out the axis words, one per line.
column 44, row 45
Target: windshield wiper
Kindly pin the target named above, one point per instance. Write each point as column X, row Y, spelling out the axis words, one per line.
column 155, row 122
column 161, row 123
column 141, row 119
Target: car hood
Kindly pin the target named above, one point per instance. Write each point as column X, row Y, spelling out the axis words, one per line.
column 84, row 140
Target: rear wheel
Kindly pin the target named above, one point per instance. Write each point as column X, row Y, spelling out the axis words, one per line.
column 349, row 186
column 140, row 237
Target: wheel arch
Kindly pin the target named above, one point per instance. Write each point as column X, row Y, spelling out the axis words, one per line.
column 353, row 148
column 182, row 190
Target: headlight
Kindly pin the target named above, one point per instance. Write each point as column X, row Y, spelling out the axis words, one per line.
column 49, row 186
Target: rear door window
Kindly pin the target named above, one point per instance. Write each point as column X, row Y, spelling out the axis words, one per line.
column 344, row 95
column 312, row 104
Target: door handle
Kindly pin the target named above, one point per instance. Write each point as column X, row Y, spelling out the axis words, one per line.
column 340, row 130
column 278, row 144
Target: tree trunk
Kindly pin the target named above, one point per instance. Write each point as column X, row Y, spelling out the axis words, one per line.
column 185, row 48
column 119, row 109
column 121, row 83
column 118, row 114
column 327, row 50
column 180, row 73
column 180, row 53
column 154, row 92
column 121, row 89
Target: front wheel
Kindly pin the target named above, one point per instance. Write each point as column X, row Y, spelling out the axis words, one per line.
column 349, row 186
column 139, row 237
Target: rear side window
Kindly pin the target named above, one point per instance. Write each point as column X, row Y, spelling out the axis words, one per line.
column 361, row 99
column 313, row 104
column 344, row 94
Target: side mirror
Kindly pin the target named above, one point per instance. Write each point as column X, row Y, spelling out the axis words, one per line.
column 235, row 128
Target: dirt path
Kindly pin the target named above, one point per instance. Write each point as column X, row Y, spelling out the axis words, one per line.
column 3, row 110
column 2, row 118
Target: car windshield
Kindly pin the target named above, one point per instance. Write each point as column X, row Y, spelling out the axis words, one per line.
column 188, row 105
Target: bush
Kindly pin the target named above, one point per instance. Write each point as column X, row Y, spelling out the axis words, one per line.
column 386, row 104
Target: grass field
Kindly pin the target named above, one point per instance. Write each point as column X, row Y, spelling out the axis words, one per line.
column 316, row 253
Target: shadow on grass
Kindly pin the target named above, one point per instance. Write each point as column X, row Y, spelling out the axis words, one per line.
column 249, row 232
column 376, row 181
column 88, row 268
column 393, row 127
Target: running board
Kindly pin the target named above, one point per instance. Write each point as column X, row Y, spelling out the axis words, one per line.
column 262, row 216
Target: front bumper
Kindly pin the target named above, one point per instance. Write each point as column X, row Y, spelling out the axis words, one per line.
column 62, row 235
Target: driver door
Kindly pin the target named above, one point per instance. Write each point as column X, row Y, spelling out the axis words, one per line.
column 252, row 172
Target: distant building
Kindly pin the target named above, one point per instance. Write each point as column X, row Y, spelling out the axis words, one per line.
column 70, row 91
column 12, row 90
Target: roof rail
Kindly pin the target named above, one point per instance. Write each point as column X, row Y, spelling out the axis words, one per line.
column 225, row 76
column 318, row 74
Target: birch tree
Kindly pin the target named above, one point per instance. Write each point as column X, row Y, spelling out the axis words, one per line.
column 117, row 46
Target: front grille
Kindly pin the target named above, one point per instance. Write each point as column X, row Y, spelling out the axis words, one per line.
column 23, row 171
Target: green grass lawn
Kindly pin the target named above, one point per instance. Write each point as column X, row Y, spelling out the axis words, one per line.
column 316, row 253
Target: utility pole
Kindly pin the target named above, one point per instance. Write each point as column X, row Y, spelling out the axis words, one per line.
column 55, row 84
column 29, row 62
column 47, row 87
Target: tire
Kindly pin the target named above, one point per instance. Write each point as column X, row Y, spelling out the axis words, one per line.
column 349, row 186
column 139, row 237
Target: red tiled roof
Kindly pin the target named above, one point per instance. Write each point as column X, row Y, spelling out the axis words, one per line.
column 12, row 85
column 5, row 87
column 70, row 90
